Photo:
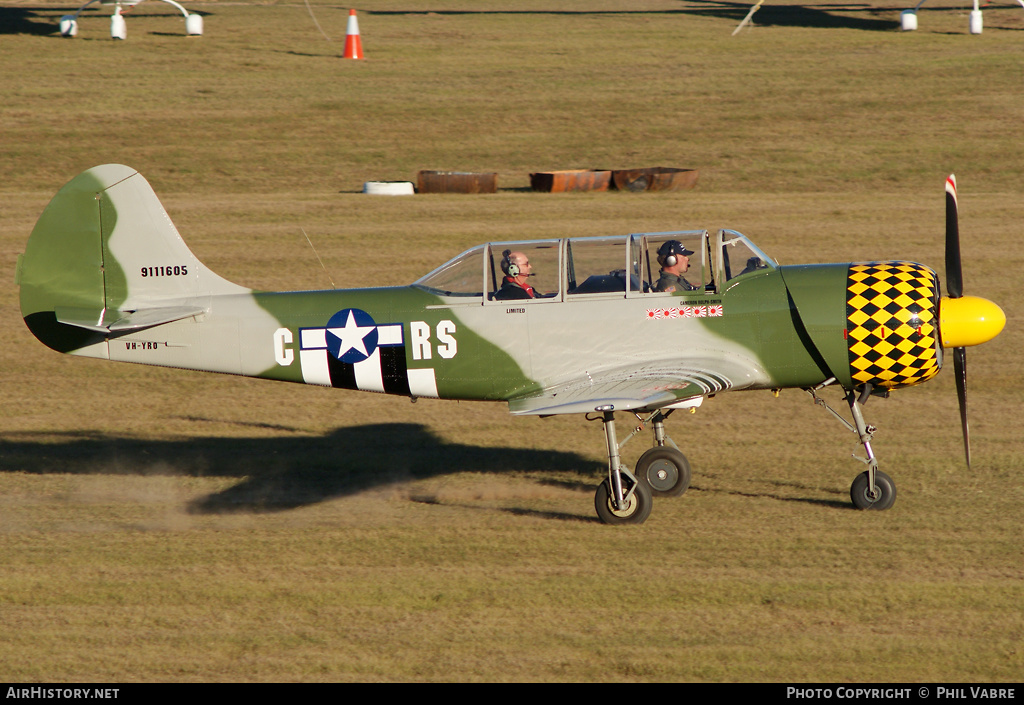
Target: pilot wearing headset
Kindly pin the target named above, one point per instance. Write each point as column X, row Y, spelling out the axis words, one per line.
column 674, row 259
column 517, row 269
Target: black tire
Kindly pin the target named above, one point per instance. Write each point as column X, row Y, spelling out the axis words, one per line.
column 638, row 507
column 861, row 497
column 665, row 471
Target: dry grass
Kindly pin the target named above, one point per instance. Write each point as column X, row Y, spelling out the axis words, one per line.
column 158, row 525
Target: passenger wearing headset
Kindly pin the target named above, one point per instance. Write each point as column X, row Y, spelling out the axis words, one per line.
column 517, row 269
column 674, row 259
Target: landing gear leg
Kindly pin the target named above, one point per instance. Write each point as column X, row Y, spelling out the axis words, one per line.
column 872, row 489
column 658, row 421
column 620, row 498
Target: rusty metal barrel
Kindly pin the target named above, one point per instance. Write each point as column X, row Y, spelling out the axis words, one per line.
column 456, row 182
column 658, row 178
column 570, row 180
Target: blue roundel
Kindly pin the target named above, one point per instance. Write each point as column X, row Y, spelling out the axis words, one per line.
column 351, row 335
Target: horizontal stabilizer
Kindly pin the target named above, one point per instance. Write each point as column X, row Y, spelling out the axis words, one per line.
column 104, row 321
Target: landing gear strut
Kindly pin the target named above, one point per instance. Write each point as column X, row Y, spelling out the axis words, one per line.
column 872, row 489
column 620, row 498
column 662, row 471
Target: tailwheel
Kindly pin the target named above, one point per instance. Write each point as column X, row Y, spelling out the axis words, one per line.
column 665, row 470
column 636, row 506
column 882, row 496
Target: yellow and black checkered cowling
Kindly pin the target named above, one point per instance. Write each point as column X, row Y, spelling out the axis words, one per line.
column 892, row 323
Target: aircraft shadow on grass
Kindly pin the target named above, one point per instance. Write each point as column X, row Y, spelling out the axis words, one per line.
column 770, row 14
column 44, row 21
column 28, row 20
column 289, row 472
column 281, row 473
column 841, row 501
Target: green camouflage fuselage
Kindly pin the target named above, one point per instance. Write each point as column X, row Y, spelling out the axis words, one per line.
column 105, row 274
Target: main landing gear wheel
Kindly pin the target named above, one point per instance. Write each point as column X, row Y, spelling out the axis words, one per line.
column 665, row 470
column 864, row 498
column 638, row 506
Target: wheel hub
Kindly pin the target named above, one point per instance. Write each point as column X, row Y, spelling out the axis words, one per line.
column 662, row 475
column 629, row 507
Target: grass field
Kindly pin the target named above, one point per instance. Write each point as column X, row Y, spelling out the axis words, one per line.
column 161, row 525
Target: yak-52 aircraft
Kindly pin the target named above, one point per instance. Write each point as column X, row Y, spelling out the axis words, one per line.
column 105, row 274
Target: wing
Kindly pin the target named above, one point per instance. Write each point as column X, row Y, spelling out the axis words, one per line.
column 642, row 387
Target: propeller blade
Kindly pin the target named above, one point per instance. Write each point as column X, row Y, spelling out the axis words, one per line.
column 954, row 272
column 960, row 370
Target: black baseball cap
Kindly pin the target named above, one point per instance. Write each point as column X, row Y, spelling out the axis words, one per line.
column 673, row 247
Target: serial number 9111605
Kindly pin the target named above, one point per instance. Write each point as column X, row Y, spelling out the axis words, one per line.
column 175, row 271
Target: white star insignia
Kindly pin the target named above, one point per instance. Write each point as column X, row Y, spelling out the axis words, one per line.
column 351, row 336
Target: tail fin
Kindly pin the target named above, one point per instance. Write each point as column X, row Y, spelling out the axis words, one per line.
column 105, row 257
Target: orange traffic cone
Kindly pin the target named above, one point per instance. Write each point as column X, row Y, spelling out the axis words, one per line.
column 353, row 42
